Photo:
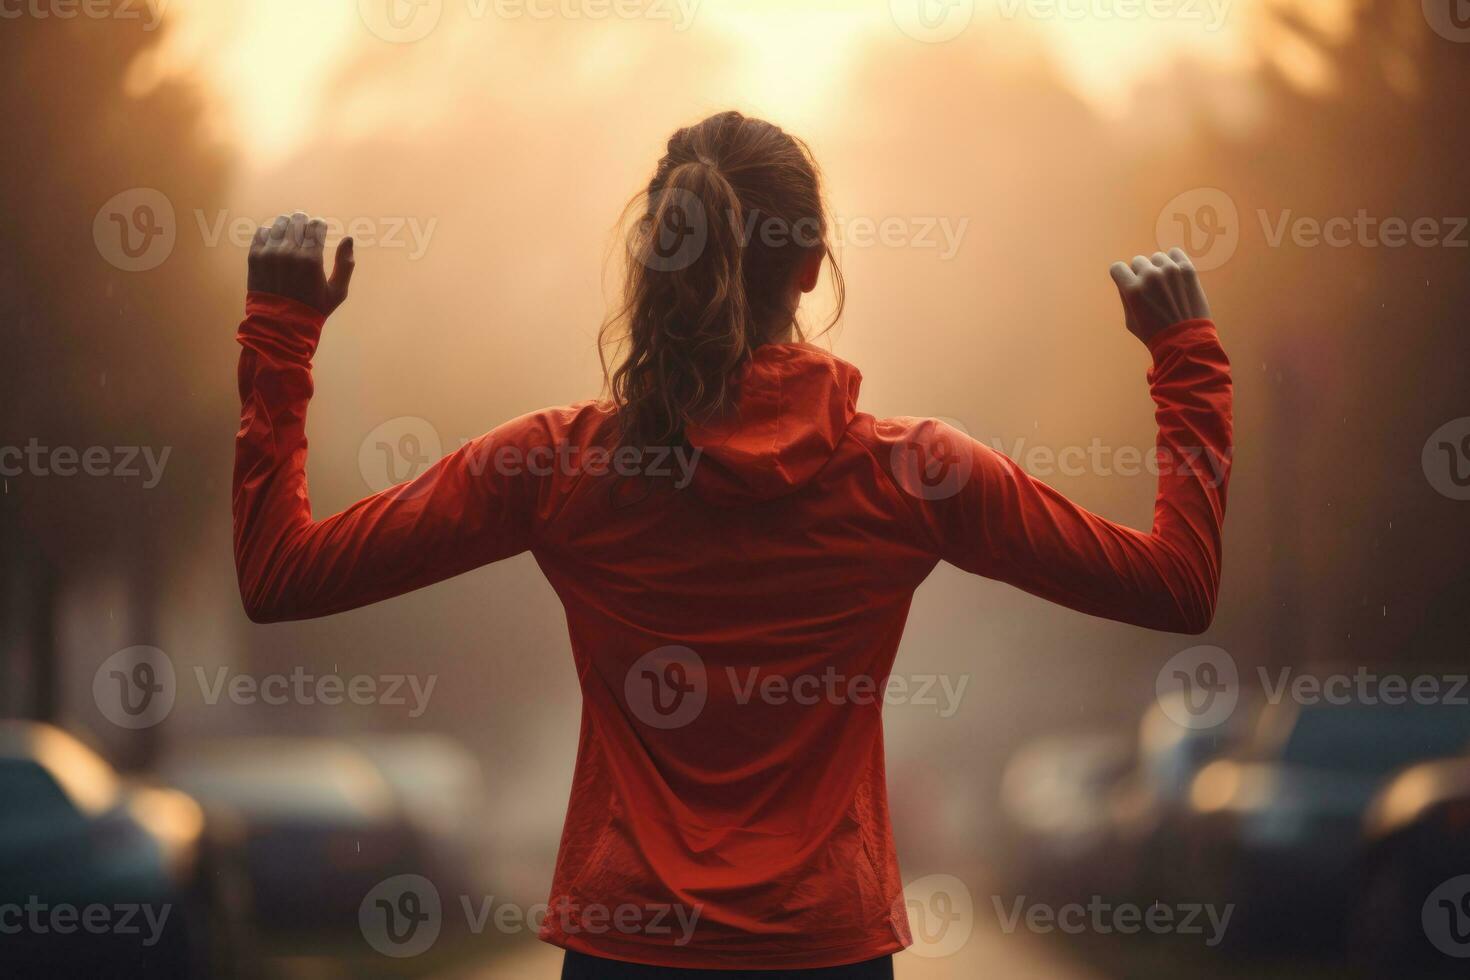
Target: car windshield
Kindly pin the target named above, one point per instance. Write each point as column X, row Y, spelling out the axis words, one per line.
column 1376, row 738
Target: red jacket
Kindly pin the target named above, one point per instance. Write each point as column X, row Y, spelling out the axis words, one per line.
column 732, row 637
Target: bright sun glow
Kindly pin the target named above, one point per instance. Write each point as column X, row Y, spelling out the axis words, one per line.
column 792, row 54
column 264, row 59
column 269, row 59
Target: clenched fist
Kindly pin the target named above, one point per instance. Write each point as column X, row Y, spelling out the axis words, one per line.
column 286, row 259
column 1159, row 292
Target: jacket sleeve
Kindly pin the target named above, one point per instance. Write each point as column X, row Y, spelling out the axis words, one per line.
column 459, row 514
column 1004, row 524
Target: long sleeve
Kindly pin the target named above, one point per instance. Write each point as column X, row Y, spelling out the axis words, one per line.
column 1004, row 524
column 458, row 515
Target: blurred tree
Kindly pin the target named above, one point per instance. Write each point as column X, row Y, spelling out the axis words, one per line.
column 96, row 355
column 1363, row 346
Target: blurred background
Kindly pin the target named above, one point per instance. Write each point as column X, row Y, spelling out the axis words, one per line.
column 985, row 161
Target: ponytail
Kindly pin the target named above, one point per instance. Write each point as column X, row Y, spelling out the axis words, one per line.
column 703, row 290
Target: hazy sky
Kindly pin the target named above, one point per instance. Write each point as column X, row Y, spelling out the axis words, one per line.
column 270, row 62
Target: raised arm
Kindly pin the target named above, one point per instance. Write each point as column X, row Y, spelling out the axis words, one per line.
column 1004, row 524
column 456, row 516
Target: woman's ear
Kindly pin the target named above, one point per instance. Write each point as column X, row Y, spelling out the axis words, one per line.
column 810, row 269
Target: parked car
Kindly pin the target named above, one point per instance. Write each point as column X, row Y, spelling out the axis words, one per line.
column 1276, row 828
column 324, row 820
column 440, row 791
column 319, row 826
column 99, row 876
column 1054, row 795
column 1413, row 912
column 1150, row 805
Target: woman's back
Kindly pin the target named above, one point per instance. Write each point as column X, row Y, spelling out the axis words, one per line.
column 736, row 547
column 734, row 622
column 732, row 639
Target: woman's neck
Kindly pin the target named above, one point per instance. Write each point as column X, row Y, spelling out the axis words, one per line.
column 784, row 334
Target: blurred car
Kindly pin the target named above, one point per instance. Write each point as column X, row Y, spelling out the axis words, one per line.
column 441, row 793
column 1149, row 806
column 319, row 825
column 99, row 876
column 1054, row 795
column 1275, row 828
column 1416, row 845
column 324, row 820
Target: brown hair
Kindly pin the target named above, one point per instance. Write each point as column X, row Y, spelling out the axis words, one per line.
column 733, row 209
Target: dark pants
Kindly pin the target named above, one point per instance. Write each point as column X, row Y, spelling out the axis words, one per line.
column 579, row 966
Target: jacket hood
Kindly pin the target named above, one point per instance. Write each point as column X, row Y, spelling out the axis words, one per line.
column 793, row 405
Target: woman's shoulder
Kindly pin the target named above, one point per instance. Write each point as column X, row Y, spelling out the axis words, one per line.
column 585, row 423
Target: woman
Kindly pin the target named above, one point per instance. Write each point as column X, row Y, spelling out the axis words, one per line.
column 736, row 547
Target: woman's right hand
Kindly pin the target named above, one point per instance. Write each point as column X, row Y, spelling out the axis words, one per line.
column 1159, row 292
column 286, row 260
